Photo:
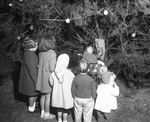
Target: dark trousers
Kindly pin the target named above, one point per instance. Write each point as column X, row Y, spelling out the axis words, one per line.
column 104, row 117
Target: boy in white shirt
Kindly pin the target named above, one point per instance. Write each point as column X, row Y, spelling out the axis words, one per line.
column 106, row 99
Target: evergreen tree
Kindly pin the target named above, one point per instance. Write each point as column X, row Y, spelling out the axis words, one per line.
column 123, row 24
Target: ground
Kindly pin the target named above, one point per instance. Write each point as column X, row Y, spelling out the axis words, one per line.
column 133, row 105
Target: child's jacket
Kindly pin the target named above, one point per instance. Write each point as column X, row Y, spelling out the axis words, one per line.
column 90, row 57
column 61, row 93
column 106, row 98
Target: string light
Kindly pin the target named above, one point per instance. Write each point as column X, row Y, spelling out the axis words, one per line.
column 10, row 4
column 18, row 37
column 31, row 27
column 133, row 34
column 105, row 12
column 67, row 20
column 20, row 0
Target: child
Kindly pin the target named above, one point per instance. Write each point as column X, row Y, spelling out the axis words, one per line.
column 106, row 99
column 28, row 74
column 47, row 61
column 61, row 95
column 84, row 92
column 91, row 58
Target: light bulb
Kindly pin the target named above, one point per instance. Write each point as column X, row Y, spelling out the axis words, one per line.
column 79, row 54
column 10, row 4
column 31, row 27
column 67, row 20
column 18, row 37
column 105, row 12
column 133, row 34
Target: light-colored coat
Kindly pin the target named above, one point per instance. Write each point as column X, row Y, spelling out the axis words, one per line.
column 47, row 61
column 61, row 94
column 106, row 98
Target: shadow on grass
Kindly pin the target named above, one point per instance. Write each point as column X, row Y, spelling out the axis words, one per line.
column 15, row 77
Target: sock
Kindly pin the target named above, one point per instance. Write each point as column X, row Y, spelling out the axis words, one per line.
column 34, row 104
column 42, row 113
column 65, row 121
column 31, row 109
column 59, row 120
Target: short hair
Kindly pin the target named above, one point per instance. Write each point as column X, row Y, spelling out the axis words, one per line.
column 84, row 66
column 47, row 42
column 90, row 45
column 29, row 42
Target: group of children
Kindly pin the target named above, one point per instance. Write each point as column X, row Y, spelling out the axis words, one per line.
column 48, row 74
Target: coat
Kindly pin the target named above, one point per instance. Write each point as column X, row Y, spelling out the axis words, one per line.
column 28, row 73
column 61, row 94
column 91, row 58
column 47, row 61
column 106, row 98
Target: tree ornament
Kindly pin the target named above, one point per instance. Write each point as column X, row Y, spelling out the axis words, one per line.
column 31, row 27
column 105, row 12
column 10, row 4
column 18, row 37
column 133, row 34
column 67, row 20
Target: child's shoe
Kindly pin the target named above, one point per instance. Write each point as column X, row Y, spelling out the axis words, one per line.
column 47, row 116
column 52, row 116
column 31, row 109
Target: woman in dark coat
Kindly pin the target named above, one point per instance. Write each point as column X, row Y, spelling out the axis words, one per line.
column 28, row 74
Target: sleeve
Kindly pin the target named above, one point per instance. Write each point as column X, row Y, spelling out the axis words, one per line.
column 52, row 62
column 95, row 59
column 97, row 91
column 93, row 89
column 73, row 88
column 115, row 90
column 32, row 67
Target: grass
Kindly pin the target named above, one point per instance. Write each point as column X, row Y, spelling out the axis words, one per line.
column 133, row 106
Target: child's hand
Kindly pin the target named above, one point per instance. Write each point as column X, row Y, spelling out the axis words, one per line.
column 114, row 85
column 101, row 63
column 51, row 79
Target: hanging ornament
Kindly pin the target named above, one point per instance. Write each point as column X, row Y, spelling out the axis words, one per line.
column 105, row 12
column 31, row 27
column 133, row 34
column 67, row 20
column 18, row 37
column 10, row 4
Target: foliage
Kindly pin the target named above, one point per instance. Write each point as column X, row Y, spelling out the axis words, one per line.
column 125, row 30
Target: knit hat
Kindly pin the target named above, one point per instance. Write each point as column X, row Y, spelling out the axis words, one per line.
column 106, row 77
column 29, row 42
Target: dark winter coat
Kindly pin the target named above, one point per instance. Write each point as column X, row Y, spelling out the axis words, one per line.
column 28, row 74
